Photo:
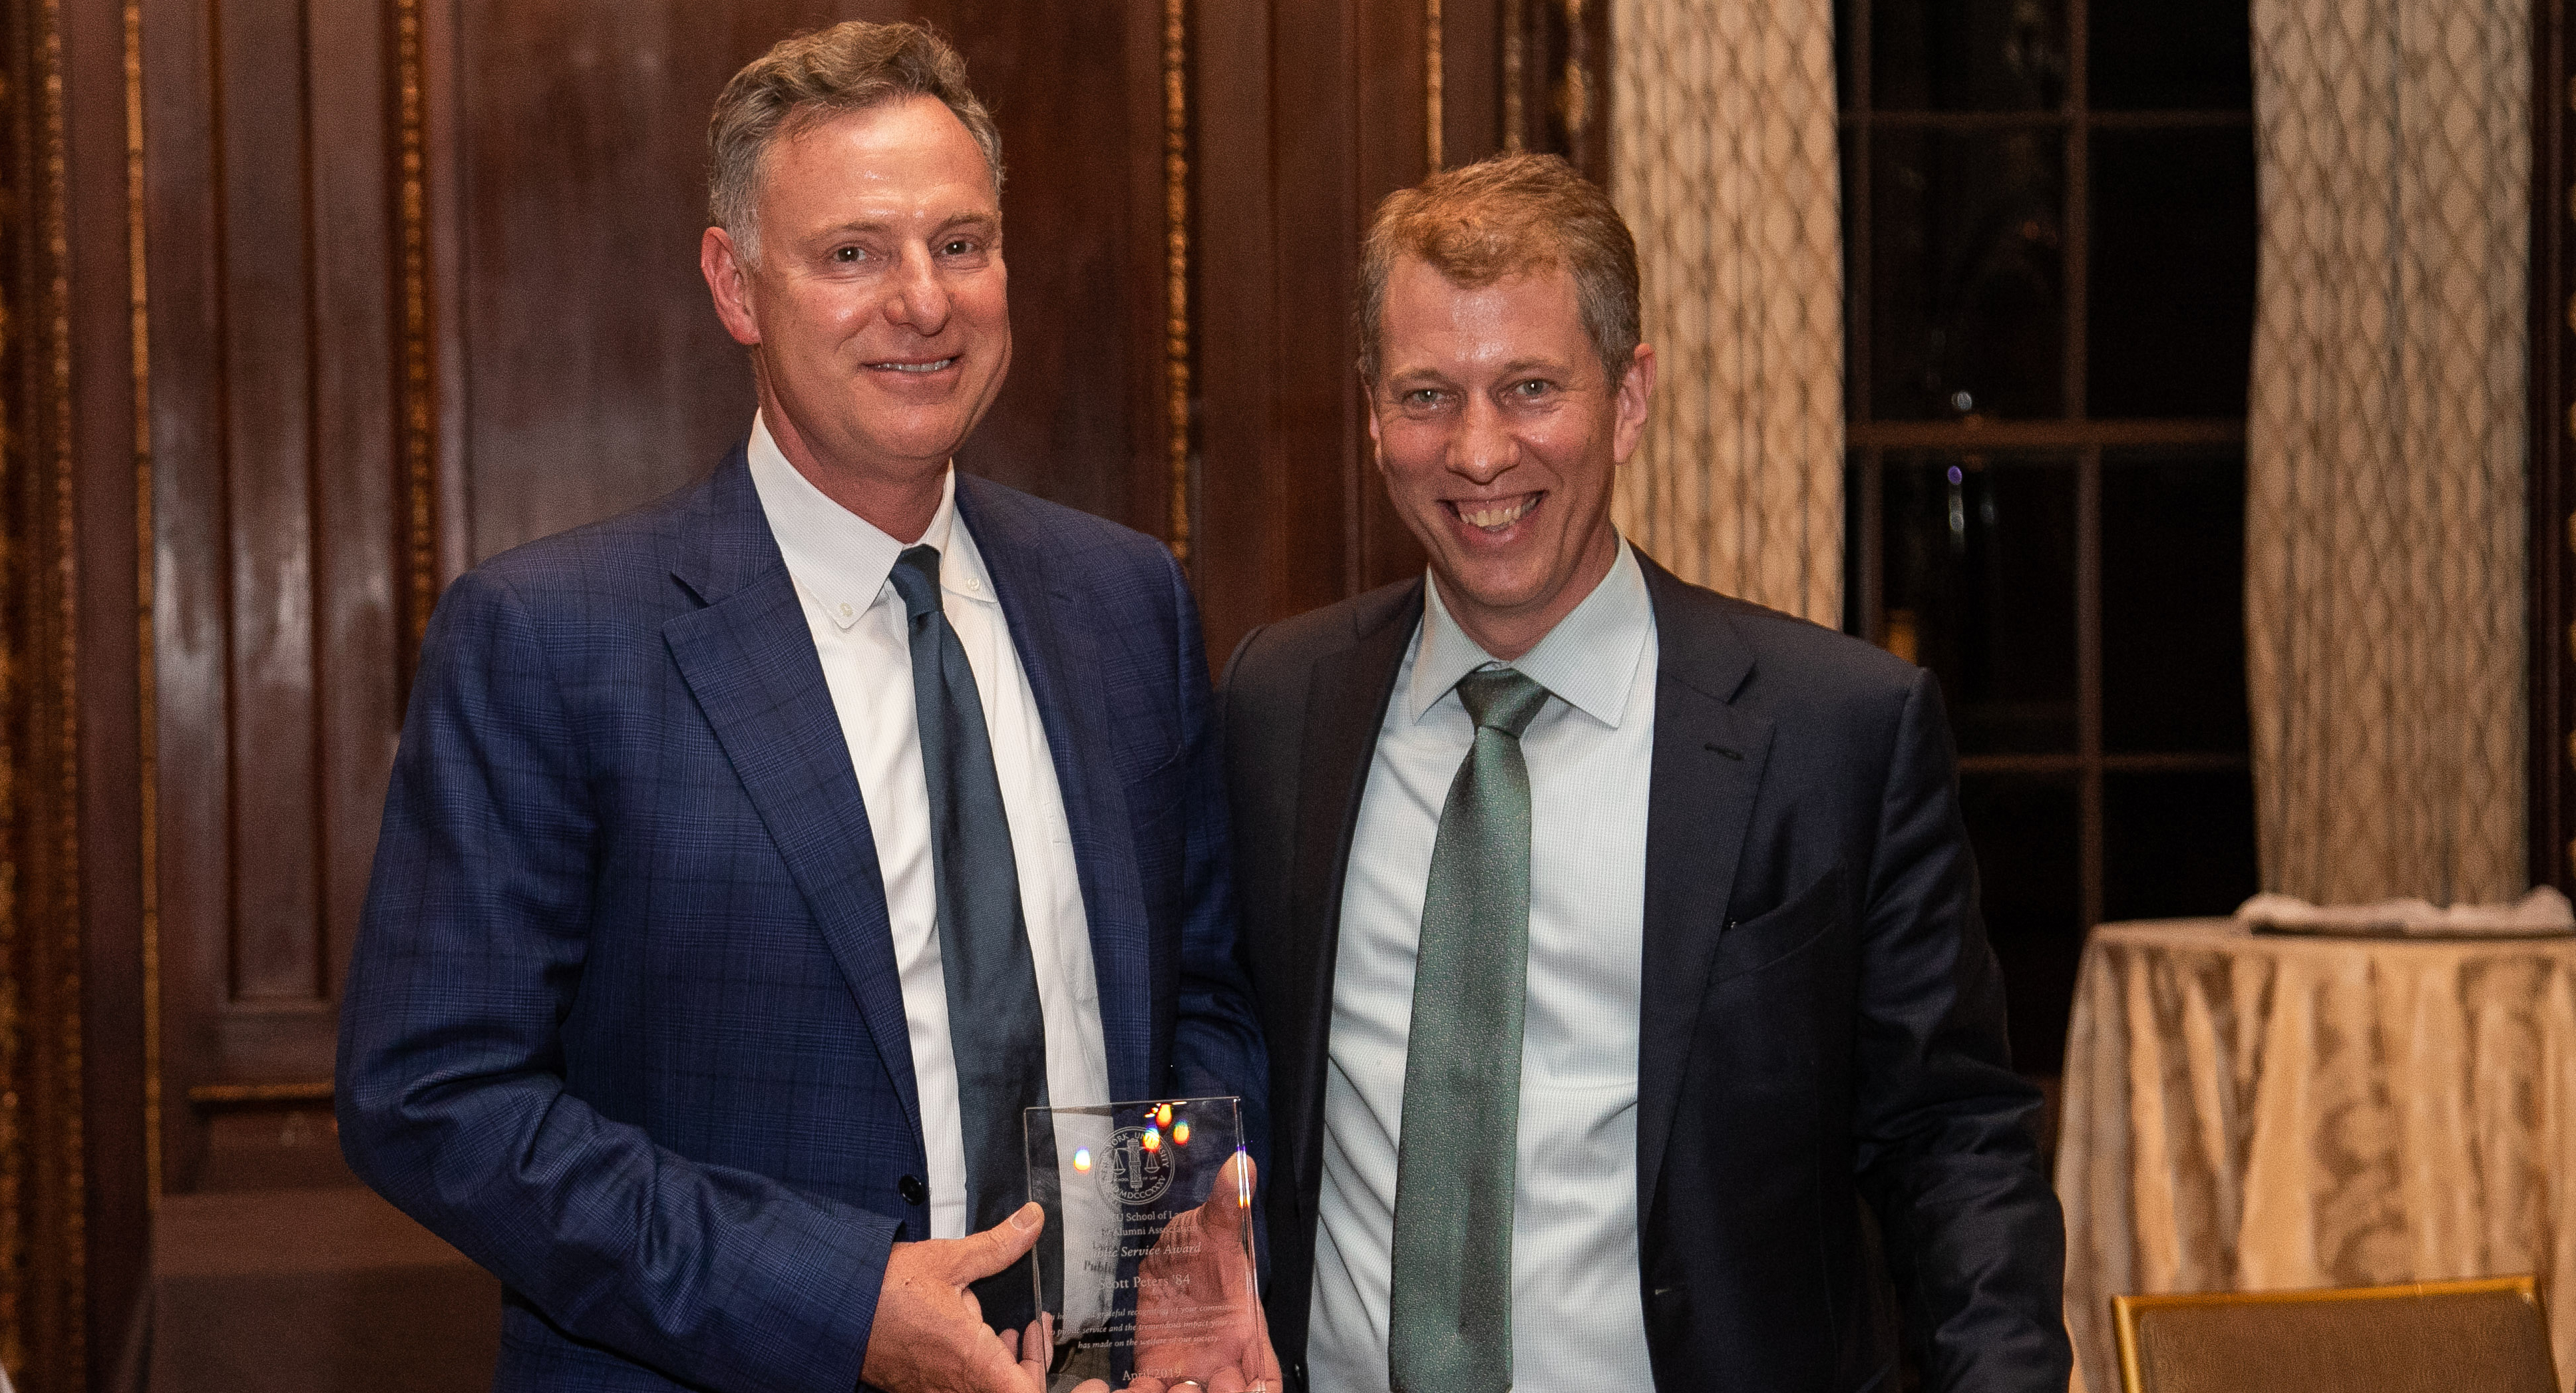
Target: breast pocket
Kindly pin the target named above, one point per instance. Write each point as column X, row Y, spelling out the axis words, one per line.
column 1795, row 926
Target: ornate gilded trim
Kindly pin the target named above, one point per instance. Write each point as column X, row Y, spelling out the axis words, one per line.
column 1432, row 75
column 419, row 444
column 66, row 1302
column 1176, row 267
column 1515, row 41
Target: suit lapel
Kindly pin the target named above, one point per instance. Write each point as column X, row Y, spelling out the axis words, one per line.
column 749, row 659
column 1706, row 770
column 1346, row 698
column 1050, row 629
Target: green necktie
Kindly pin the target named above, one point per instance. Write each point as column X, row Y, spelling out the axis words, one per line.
column 1449, row 1326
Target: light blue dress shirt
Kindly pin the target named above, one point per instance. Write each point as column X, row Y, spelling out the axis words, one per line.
column 1578, row 1320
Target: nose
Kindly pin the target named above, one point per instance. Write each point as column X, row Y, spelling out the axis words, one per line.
column 915, row 298
column 1482, row 447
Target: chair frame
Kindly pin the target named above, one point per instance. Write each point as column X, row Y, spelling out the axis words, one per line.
column 2125, row 1309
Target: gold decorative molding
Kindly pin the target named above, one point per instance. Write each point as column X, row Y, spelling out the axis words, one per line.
column 419, row 444
column 62, row 1306
column 1515, row 39
column 1176, row 266
column 1433, row 41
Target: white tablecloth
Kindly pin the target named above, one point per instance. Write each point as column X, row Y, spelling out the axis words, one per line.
column 2267, row 1112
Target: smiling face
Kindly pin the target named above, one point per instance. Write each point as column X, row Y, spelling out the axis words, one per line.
column 877, row 311
column 1499, row 434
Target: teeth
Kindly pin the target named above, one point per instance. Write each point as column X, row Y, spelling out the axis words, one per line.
column 918, row 367
column 1501, row 515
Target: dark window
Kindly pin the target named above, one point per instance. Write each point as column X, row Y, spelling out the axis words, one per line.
column 2048, row 215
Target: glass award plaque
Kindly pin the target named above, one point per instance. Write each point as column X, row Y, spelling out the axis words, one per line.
column 1154, row 1203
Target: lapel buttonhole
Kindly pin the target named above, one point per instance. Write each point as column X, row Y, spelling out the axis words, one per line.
column 1737, row 755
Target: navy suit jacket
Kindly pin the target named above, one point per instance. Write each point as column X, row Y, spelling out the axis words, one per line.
column 623, row 1022
column 1821, row 1032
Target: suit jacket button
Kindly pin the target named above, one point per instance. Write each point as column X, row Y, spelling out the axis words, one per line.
column 912, row 1190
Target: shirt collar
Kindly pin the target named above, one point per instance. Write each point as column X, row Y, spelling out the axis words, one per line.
column 1589, row 659
column 841, row 560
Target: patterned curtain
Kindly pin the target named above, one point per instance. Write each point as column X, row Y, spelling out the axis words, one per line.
column 1723, row 159
column 2385, row 449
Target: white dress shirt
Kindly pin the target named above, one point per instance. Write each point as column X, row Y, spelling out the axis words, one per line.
column 1578, row 1321
column 840, row 563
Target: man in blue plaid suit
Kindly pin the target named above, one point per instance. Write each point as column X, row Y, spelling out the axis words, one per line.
column 751, row 859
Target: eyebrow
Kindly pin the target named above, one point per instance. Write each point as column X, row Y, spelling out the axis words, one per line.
column 1517, row 366
column 988, row 221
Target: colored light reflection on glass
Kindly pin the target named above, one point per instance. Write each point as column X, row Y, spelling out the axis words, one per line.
column 1153, row 1139
column 1163, row 1115
column 1242, row 1179
column 1082, row 1158
column 1181, row 1134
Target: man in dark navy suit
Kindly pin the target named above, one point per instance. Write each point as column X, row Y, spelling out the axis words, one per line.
column 752, row 860
column 1617, row 942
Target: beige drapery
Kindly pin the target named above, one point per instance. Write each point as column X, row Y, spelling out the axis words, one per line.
column 2385, row 447
column 1723, row 159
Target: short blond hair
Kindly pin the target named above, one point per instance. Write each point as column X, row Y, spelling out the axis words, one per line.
column 851, row 66
column 1507, row 216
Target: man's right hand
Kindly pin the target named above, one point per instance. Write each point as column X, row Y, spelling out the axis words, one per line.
column 930, row 1336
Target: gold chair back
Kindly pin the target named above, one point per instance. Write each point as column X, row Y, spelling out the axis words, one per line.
column 2420, row 1337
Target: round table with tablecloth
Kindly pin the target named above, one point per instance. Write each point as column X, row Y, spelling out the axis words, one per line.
column 2258, row 1112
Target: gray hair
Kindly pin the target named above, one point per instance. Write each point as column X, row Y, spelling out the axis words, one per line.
column 851, row 66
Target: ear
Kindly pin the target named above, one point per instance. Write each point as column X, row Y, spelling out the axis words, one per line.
column 1368, row 403
column 1636, row 394
column 729, row 281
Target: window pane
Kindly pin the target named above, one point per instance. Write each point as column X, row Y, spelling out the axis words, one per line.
column 2173, row 601
column 1980, row 588
column 1967, row 55
column 2172, row 318
column 1966, row 281
column 2176, row 845
column 2025, row 833
column 2164, row 54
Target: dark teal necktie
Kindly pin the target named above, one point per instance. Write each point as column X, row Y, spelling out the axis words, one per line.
column 995, row 1028
column 1449, row 1323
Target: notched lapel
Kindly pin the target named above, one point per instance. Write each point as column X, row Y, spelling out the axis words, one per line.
column 1708, row 762
column 1346, row 697
column 749, row 659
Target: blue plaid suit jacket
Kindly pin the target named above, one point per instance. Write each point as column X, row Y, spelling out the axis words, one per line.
column 623, row 1021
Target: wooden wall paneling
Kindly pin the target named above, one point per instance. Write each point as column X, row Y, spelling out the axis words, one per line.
column 106, row 1044
column 190, row 609
column 1244, row 539
column 1471, row 80
column 277, row 636
column 265, row 219
column 360, row 502
column 2552, row 595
